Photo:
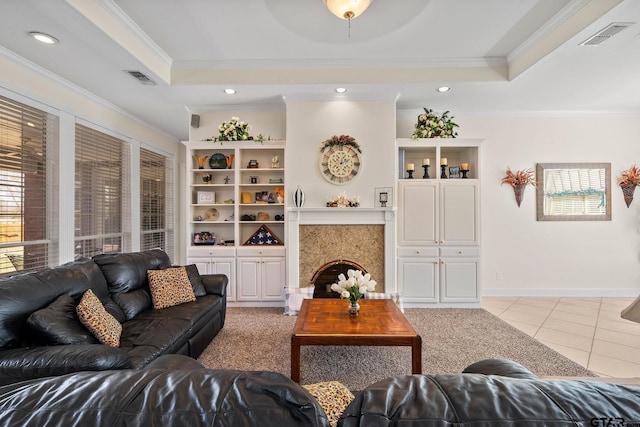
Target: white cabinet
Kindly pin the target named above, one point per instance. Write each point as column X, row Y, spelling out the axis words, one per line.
column 261, row 275
column 216, row 261
column 438, row 213
column 418, row 274
column 439, row 223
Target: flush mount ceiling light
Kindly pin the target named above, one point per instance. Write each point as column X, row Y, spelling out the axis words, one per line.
column 43, row 37
column 347, row 9
column 443, row 89
column 230, row 91
column 341, row 89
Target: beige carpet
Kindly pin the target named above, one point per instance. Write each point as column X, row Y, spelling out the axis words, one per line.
column 259, row 339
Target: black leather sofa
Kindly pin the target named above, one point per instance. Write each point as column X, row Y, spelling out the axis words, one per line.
column 120, row 282
column 172, row 391
column 496, row 393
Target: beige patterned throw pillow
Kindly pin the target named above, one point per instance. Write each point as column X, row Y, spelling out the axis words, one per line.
column 333, row 397
column 170, row 287
column 94, row 317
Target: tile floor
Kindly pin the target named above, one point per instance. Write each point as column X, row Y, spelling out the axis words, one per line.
column 588, row 331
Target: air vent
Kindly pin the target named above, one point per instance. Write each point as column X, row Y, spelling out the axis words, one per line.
column 606, row 33
column 141, row 77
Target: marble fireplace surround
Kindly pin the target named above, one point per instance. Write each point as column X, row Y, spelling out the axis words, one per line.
column 316, row 236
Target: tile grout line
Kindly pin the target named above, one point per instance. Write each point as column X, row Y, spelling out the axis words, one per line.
column 546, row 318
column 595, row 331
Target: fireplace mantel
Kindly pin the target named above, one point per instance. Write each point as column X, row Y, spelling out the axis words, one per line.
column 348, row 216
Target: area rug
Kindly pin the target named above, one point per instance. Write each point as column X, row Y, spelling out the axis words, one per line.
column 452, row 339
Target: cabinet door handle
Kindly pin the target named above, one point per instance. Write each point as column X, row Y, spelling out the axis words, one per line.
column 441, row 262
column 459, row 252
column 418, row 251
column 441, row 241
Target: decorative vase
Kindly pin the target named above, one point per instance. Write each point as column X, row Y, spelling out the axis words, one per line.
column 354, row 308
column 298, row 197
column 518, row 189
column 627, row 191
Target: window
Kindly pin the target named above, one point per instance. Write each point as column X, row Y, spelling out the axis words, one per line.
column 156, row 202
column 28, row 187
column 102, row 196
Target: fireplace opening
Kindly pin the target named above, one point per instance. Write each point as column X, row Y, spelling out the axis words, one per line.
column 328, row 275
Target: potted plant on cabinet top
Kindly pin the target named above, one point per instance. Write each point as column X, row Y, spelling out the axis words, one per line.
column 430, row 125
column 628, row 181
column 519, row 180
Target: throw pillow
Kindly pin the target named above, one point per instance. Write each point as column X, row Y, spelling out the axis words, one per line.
column 58, row 323
column 194, row 278
column 170, row 287
column 95, row 317
column 333, row 397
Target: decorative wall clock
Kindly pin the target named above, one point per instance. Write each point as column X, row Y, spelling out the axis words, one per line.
column 340, row 162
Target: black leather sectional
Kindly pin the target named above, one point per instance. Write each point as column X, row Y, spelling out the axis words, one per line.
column 120, row 282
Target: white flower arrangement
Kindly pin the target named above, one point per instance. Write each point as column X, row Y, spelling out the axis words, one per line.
column 234, row 130
column 355, row 286
column 430, row 125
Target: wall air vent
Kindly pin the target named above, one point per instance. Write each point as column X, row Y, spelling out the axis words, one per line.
column 141, row 77
column 606, row 33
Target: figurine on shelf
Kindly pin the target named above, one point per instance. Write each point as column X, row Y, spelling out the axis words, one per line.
column 275, row 162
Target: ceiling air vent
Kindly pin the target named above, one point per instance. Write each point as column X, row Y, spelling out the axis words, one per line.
column 141, row 77
column 606, row 33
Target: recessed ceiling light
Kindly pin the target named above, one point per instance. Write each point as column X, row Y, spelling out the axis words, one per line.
column 341, row 89
column 444, row 89
column 230, row 91
column 44, row 38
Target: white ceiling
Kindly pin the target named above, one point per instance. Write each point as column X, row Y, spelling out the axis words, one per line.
column 496, row 55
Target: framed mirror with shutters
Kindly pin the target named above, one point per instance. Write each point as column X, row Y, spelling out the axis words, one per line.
column 573, row 191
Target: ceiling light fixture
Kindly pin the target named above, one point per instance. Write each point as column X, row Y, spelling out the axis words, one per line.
column 443, row 89
column 347, row 9
column 44, row 38
column 341, row 89
column 230, row 91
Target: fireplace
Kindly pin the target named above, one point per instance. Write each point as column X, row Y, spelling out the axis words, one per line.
column 318, row 236
column 328, row 274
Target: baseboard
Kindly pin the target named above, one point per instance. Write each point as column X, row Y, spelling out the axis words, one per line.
column 560, row 292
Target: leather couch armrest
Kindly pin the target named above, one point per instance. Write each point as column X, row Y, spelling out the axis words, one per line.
column 501, row 367
column 215, row 284
column 27, row 363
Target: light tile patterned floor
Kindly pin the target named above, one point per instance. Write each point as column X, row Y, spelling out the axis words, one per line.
column 588, row 331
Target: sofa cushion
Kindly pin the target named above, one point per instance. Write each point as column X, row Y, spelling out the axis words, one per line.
column 170, row 287
column 93, row 315
column 58, row 323
column 194, row 278
column 28, row 292
column 333, row 397
column 126, row 278
column 134, row 302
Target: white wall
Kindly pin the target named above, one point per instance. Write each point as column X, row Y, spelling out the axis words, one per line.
column 309, row 123
column 522, row 256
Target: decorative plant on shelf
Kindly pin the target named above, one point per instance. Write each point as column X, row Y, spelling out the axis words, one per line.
column 628, row 181
column 353, row 288
column 235, row 130
column 340, row 140
column 430, row 125
column 519, row 181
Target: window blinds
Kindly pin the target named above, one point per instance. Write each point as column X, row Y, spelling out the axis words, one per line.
column 156, row 202
column 28, row 187
column 102, row 184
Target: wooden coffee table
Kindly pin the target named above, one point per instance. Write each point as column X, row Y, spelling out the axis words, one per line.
column 326, row 321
